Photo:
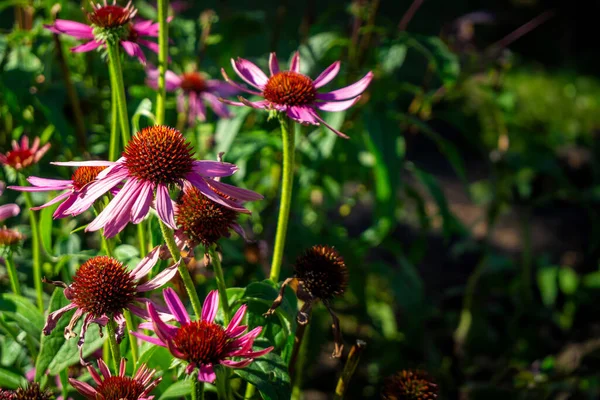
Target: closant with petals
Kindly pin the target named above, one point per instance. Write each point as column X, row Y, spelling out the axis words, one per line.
column 74, row 188
column 293, row 93
column 110, row 22
column 120, row 386
column 22, row 155
column 197, row 90
column 158, row 158
column 203, row 344
column 102, row 289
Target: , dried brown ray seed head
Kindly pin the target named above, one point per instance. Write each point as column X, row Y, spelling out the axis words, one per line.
column 322, row 272
column 201, row 219
column 410, row 385
column 159, row 154
column 32, row 392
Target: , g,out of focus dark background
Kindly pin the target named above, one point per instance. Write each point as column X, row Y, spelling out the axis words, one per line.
column 466, row 203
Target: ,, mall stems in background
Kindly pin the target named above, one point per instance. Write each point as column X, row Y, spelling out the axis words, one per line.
column 163, row 50
column 114, row 63
column 250, row 391
column 114, row 346
column 106, row 243
column 72, row 94
column 287, row 182
column 182, row 268
column 113, row 147
column 106, row 350
column 466, row 316
column 106, row 246
column 141, row 232
column 132, row 339
column 63, row 375
column 198, row 390
column 35, row 247
column 527, row 257
column 12, row 273
column 216, row 262
column 349, row 368
column 298, row 360
column 409, row 14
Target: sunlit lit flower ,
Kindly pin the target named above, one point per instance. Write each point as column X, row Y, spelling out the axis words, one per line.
column 409, row 385
column 194, row 88
column 156, row 159
column 203, row 221
column 32, row 391
column 109, row 387
column 6, row 394
column 102, row 289
column 203, row 344
column 74, row 188
column 294, row 93
column 320, row 274
column 110, row 23
column 22, row 156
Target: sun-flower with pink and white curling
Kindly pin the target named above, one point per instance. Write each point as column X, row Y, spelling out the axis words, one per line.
column 112, row 23
column 155, row 160
column 203, row 344
column 294, row 93
column 102, row 289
